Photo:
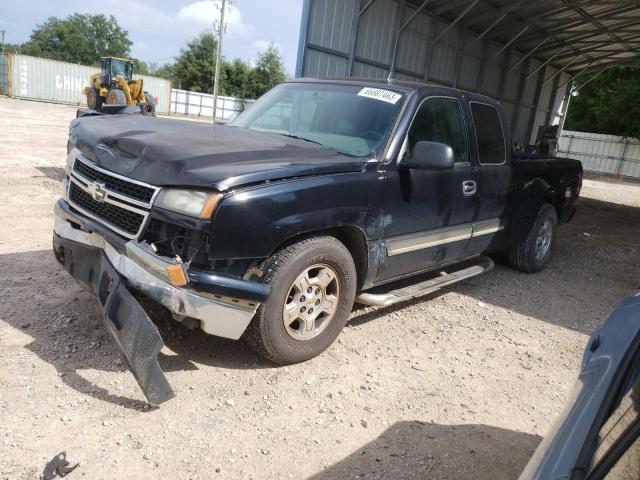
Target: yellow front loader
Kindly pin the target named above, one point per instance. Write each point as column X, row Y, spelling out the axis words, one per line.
column 115, row 85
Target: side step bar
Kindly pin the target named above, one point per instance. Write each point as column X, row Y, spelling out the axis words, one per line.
column 483, row 265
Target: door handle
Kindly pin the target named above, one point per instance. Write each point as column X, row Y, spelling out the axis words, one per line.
column 469, row 188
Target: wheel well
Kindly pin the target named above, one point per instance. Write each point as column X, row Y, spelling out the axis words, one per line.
column 352, row 237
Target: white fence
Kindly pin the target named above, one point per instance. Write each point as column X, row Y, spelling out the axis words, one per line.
column 54, row 81
column 602, row 153
column 198, row 104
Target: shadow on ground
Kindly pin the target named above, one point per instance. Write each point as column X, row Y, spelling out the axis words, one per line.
column 416, row 450
column 587, row 277
column 63, row 320
column 593, row 268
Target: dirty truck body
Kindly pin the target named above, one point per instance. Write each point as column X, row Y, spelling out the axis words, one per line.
column 322, row 193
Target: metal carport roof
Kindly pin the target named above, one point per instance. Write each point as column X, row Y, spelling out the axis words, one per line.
column 527, row 54
column 579, row 37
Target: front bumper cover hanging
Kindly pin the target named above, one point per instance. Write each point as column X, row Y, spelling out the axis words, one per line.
column 124, row 318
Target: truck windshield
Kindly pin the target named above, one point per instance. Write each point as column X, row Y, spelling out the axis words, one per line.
column 352, row 120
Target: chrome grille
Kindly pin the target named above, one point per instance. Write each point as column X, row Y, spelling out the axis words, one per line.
column 125, row 220
column 124, row 187
column 120, row 203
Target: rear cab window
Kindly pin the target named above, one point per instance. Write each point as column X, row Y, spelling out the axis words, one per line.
column 490, row 138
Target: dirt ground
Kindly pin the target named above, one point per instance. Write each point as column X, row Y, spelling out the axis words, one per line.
column 458, row 385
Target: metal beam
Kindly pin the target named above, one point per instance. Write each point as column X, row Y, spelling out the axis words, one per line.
column 395, row 45
column 607, row 56
column 510, row 42
column 456, row 20
column 584, row 34
column 355, row 28
column 552, row 102
column 491, row 27
column 302, row 40
column 547, row 62
column 522, row 82
column 562, row 69
column 571, row 79
column 481, row 68
column 623, row 62
column 364, row 9
column 562, row 25
column 531, row 52
column 561, row 28
column 520, row 5
column 595, row 21
column 594, row 50
column 592, row 78
column 536, row 102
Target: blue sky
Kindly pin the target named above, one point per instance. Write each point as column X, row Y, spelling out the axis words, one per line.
column 159, row 28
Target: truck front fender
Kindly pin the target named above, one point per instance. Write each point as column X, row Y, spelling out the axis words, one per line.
column 251, row 223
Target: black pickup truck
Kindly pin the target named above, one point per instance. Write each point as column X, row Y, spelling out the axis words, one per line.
column 322, row 193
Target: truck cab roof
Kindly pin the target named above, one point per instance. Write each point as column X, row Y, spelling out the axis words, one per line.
column 400, row 86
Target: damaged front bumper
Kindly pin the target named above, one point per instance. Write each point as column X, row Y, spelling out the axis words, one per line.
column 106, row 264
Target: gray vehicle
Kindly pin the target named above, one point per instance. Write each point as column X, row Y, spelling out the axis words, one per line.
column 597, row 436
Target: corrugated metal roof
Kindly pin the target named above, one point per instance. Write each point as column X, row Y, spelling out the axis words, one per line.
column 571, row 35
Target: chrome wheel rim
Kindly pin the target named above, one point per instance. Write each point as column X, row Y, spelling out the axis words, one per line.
column 311, row 302
column 543, row 241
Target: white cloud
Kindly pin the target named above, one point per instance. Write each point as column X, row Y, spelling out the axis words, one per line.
column 262, row 45
column 205, row 12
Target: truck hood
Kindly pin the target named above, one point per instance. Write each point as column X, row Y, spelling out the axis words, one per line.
column 179, row 153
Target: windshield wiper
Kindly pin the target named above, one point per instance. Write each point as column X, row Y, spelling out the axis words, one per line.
column 289, row 135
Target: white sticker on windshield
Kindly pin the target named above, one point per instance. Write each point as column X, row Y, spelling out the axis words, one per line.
column 380, row 94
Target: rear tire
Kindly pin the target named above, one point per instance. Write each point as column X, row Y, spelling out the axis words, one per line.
column 116, row 97
column 313, row 286
column 94, row 100
column 533, row 253
column 149, row 108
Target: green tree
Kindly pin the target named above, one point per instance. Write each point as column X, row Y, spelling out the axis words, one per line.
column 236, row 78
column 11, row 48
column 610, row 104
column 78, row 39
column 195, row 65
column 140, row 67
column 268, row 72
column 166, row 71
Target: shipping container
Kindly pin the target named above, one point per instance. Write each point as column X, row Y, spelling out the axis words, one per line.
column 61, row 82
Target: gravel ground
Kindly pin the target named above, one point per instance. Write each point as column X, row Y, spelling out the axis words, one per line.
column 460, row 384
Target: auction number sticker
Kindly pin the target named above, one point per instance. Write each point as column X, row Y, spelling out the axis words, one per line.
column 380, row 94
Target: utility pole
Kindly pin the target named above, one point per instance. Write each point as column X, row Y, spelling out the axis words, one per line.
column 221, row 27
column 2, row 43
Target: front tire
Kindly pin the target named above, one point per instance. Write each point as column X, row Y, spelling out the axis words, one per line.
column 313, row 286
column 94, row 100
column 116, row 97
column 533, row 253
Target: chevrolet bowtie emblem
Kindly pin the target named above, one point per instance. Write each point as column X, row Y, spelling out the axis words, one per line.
column 97, row 191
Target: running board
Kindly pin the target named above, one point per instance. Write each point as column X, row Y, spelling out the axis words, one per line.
column 483, row 265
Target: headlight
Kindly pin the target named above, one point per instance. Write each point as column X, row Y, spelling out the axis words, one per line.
column 195, row 203
column 71, row 158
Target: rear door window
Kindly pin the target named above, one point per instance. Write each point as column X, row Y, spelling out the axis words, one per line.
column 489, row 134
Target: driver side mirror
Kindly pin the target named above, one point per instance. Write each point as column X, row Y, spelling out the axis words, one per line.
column 429, row 156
